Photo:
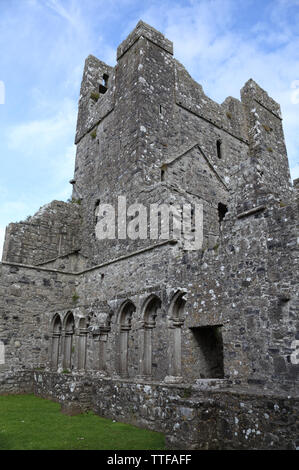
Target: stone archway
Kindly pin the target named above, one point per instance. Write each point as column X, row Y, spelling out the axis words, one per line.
column 56, row 341
column 125, row 321
column 150, row 311
column 68, row 333
column 176, row 321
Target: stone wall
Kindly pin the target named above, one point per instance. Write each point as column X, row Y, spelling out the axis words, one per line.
column 54, row 230
column 202, row 417
column 199, row 344
column 254, row 342
column 28, row 296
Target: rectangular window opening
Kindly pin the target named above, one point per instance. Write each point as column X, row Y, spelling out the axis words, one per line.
column 209, row 344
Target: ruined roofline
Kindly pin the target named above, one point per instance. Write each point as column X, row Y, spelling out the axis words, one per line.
column 256, row 91
column 65, row 255
column 143, row 29
column 253, row 90
column 227, row 113
column 98, row 266
column 189, row 149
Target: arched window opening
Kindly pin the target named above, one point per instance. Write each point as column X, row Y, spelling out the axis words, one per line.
column 178, row 307
column 105, row 80
column 175, row 349
column 68, row 342
column 82, row 343
column 56, row 342
column 150, row 314
column 104, row 85
column 103, row 340
column 125, row 327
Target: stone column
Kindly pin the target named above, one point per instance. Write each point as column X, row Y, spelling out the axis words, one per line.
column 124, row 338
column 177, row 355
column 103, row 349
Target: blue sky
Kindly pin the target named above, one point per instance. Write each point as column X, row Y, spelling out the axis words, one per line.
column 44, row 43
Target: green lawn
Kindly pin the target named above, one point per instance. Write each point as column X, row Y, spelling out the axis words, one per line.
column 29, row 422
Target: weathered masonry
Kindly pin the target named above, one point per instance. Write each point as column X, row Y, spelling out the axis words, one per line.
column 202, row 344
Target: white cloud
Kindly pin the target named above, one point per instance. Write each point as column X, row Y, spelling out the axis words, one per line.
column 14, row 211
column 64, row 169
column 68, row 14
column 222, row 57
column 36, row 136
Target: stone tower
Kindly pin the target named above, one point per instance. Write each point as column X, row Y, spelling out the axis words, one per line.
column 201, row 344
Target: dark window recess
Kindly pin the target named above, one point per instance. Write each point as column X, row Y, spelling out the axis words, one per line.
column 96, row 211
column 163, row 172
column 283, row 308
column 222, row 210
column 105, row 80
column 209, row 346
column 104, row 85
column 219, row 150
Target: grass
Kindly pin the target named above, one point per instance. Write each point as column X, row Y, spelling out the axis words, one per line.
column 94, row 96
column 93, row 134
column 28, row 422
column 75, row 297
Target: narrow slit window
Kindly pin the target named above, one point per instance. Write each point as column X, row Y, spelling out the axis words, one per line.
column 96, row 211
column 163, row 172
column 104, row 85
column 222, row 210
column 219, row 149
column 105, row 80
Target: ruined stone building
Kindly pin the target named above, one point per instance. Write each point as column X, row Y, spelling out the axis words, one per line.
column 199, row 344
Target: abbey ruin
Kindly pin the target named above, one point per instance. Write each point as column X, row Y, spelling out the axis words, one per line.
column 199, row 344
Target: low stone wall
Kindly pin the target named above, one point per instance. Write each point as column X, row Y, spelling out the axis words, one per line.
column 71, row 390
column 249, row 420
column 15, row 382
column 170, row 409
column 191, row 417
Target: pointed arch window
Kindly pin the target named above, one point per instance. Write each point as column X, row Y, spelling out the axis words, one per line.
column 125, row 327
column 150, row 313
column 69, row 327
column 56, row 342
